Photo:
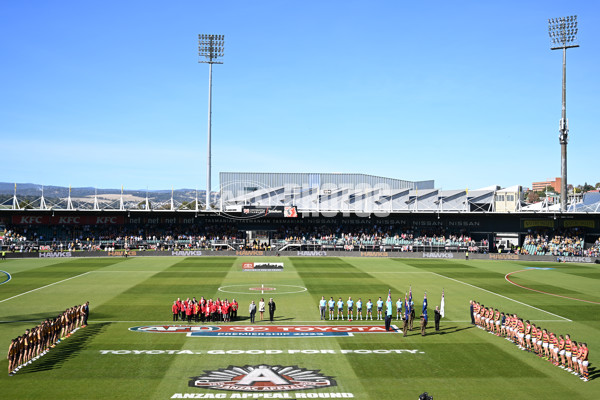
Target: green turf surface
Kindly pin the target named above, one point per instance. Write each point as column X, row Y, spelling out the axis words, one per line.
column 460, row 362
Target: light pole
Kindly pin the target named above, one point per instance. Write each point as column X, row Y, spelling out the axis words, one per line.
column 210, row 49
column 563, row 34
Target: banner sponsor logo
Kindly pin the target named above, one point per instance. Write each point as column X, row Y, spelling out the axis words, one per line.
column 255, row 352
column 374, row 254
column 438, row 255
column 30, row 220
column 265, row 267
column 579, row 223
column 575, row 259
column 121, row 253
column 56, row 254
column 532, row 223
column 73, row 219
column 262, row 378
column 266, row 395
column 187, row 253
column 290, row 212
column 312, row 254
column 504, row 256
column 249, row 253
column 266, row 331
column 247, row 265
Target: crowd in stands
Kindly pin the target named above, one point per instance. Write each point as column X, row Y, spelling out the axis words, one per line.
column 367, row 237
column 376, row 237
column 558, row 243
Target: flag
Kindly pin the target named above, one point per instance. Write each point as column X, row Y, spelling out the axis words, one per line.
column 442, row 305
column 425, row 303
column 389, row 295
column 410, row 295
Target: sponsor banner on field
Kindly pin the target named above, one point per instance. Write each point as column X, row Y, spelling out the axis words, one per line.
column 266, row 267
column 374, row 254
column 576, row 259
column 311, row 254
column 262, row 378
column 266, row 352
column 186, row 253
column 261, row 395
column 265, row 395
column 55, row 254
column 249, row 253
column 506, row 256
column 438, row 255
column 266, row 331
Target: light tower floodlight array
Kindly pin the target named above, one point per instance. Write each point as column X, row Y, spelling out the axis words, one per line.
column 563, row 32
column 563, row 35
column 211, row 48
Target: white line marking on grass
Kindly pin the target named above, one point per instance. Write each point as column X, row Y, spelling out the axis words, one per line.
column 508, row 298
column 9, row 277
column 506, row 277
column 55, row 283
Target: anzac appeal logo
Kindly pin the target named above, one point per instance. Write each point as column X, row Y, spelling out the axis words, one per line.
column 262, row 378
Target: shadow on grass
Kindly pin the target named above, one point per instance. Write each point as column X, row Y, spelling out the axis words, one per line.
column 33, row 318
column 594, row 373
column 66, row 349
column 451, row 329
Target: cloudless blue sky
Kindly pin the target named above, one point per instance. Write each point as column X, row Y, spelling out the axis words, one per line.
column 468, row 93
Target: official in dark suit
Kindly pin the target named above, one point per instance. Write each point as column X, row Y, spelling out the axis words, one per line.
column 437, row 317
column 272, row 309
column 472, row 316
column 252, row 311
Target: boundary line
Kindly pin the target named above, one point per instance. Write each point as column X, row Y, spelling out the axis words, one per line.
column 9, row 278
column 542, row 292
column 505, row 297
column 42, row 287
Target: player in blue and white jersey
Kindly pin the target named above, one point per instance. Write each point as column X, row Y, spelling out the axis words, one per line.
column 369, row 310
column 399, row 309
column 340, row 305
column 331, row 308
column 350, row 303
column 359, row 309
column 379, row 309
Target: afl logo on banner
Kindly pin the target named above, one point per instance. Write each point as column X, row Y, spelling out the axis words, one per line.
column 262, row 378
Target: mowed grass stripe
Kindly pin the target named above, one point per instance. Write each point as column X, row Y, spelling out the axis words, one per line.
column 290, row 308
column 35, row 278
column 459, row 362
column 492, row 291
column 152, row 298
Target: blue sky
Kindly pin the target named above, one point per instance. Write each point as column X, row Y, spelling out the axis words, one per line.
column 468, row 93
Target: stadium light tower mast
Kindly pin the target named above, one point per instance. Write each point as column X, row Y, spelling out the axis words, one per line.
column 210, row 49
column 563, row 34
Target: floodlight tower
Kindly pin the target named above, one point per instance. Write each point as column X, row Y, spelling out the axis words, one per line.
column 210, row 49
column 563, row 34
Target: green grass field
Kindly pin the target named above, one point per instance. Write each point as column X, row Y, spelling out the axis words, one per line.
column 460, row 362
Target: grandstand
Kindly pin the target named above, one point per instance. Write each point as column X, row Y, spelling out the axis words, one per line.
column 307, row 193
column 277, row 212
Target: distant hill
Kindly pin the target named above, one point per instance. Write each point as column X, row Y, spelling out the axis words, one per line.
column 33, row 191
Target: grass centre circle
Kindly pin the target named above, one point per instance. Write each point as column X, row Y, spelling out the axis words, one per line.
column 255, row 288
